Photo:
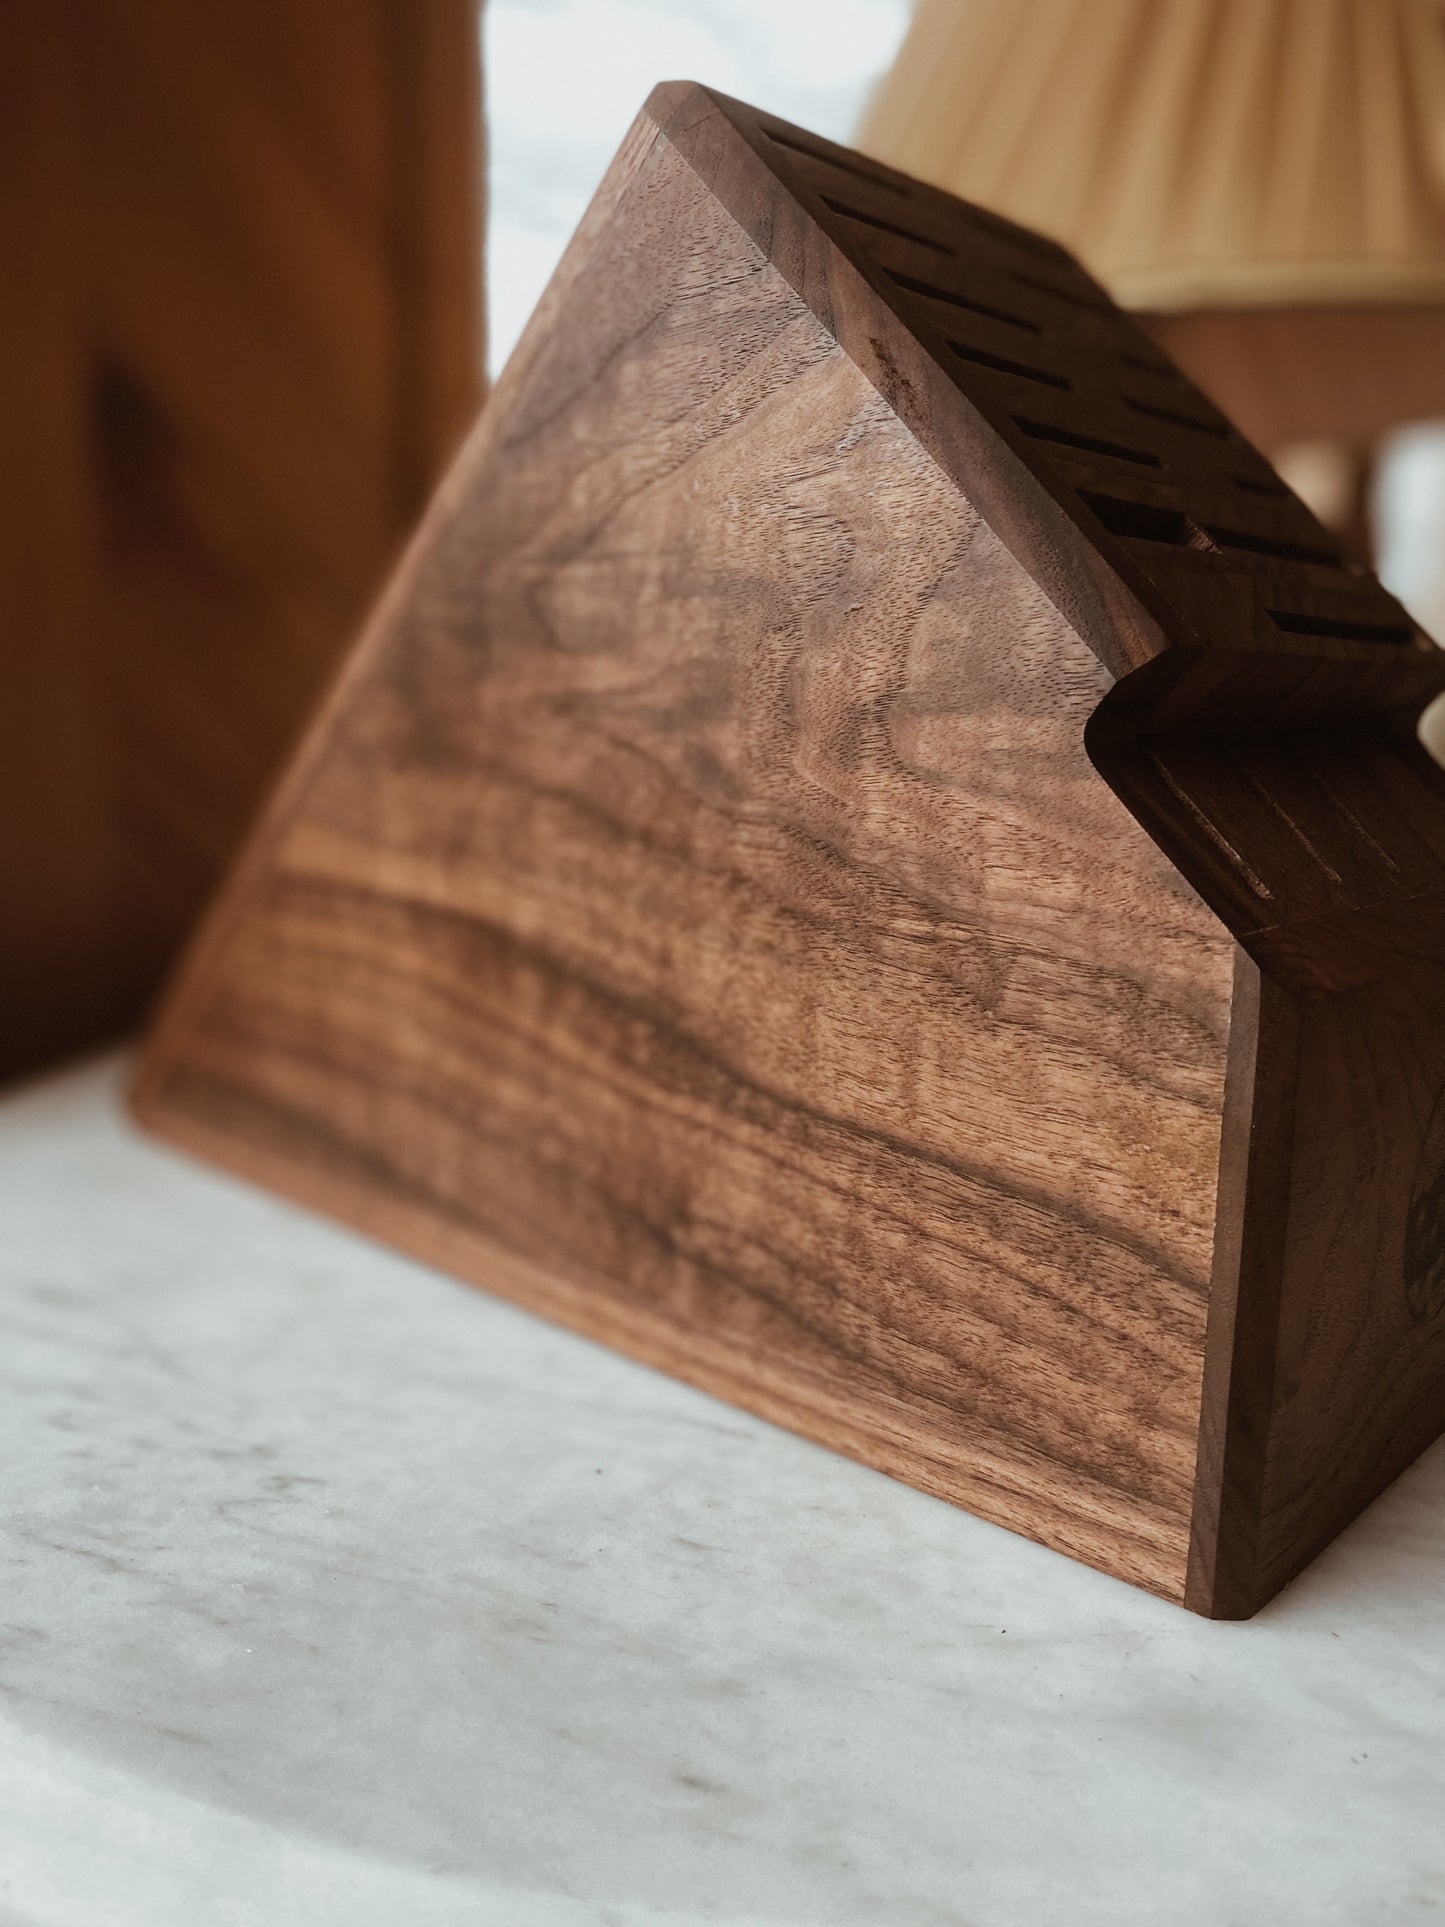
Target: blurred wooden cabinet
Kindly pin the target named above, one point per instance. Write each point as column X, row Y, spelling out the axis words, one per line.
column 239, row 334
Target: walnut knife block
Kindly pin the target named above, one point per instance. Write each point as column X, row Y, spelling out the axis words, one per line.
column 875, row 858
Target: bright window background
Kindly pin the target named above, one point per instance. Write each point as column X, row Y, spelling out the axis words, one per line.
column 566, row 77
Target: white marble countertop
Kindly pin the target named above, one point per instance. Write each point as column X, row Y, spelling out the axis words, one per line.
column 335, row 1592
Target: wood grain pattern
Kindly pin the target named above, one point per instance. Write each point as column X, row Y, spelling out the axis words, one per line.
column 830, row 874
column 240, row 324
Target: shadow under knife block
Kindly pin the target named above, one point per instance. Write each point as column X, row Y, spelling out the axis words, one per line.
column 874, row 858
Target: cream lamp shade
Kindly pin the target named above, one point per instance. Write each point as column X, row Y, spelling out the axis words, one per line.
column 1194, row 153
column 1264, row 179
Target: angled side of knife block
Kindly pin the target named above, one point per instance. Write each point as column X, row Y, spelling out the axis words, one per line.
column 875, row 858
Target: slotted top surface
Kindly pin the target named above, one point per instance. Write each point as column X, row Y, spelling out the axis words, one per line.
column 1166, row 488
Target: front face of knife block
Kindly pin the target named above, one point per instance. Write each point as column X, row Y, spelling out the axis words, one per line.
column 698, row 916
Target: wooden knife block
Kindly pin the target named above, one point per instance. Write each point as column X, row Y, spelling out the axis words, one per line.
column 874, row 858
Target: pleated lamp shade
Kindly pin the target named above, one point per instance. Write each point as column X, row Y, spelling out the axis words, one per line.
column 1266, row 178
column 1194, row 153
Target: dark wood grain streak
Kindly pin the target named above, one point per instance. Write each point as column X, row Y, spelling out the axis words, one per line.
column 818, row 877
